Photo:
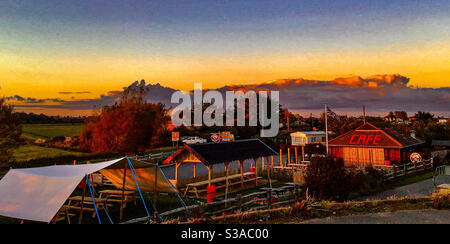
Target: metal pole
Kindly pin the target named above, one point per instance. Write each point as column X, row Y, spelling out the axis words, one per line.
column 326, row 127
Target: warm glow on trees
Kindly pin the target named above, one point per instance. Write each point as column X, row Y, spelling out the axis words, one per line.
column 130, row 125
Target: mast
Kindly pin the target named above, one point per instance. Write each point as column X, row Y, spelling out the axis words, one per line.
column 326, row 126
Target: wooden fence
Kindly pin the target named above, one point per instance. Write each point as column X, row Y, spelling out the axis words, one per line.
column 264, row 199
column 391, row 172
column 155, row 156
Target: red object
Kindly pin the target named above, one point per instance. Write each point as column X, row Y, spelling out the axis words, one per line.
column 210, row 194
column 253, row 170
column 82, row 184
column 388, row 162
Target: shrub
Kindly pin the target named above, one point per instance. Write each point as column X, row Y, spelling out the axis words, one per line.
column 327, row 179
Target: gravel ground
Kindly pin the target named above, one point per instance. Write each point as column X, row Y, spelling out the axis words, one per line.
column 399, row 217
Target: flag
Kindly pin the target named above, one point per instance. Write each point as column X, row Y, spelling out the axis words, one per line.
column 332, row 114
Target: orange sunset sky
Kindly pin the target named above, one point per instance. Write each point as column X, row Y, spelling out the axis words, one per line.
column 71, row 51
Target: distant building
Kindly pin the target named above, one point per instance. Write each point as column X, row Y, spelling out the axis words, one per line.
column 442, row 120
column 301, row 138
column 368, row 145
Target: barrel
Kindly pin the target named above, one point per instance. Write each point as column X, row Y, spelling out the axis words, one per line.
column 210, row 194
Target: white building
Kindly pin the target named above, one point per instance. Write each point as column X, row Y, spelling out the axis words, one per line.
column 301, row 138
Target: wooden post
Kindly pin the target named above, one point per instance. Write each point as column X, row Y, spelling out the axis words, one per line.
column 394, row 173
column 155, row 192
column 156, row 217
column 176, row 171
column 303, row 153
column 268, row 169
column 404, row 169
column 209, row 175
column 226, row 176
column 288, row 161
column 281, row 158
column 262, row 163
column 271, row 165
column 239, row 201
column 256, row 170
column 195, row 169
column 80, row 218
column 241, row 166
column 123, row 190
column 269, row 198
column 296, row 157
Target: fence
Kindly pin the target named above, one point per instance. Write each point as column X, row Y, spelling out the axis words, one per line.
column 155, row 156
column 395, row 171
column 264, row 199
column 389, row 171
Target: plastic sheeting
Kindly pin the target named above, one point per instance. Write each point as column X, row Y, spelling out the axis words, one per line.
column 37, row 194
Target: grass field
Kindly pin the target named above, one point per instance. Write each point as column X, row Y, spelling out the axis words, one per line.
column 48, row 131
column 29, row 152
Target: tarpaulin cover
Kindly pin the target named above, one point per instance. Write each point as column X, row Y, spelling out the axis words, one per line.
column 38, row 193
column 146, row 175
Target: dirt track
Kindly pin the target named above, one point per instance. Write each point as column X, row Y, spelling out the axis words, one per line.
column 399, row 217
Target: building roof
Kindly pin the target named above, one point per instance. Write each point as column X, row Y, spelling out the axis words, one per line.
column 221, row 152
column 385, row 137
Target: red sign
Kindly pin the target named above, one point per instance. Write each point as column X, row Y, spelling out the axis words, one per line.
column 365, row 139
column 175, row 136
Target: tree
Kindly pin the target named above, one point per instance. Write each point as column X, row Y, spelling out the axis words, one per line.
column 424, row 116
column 129, row 126
column 402, row 115
column 10, row 132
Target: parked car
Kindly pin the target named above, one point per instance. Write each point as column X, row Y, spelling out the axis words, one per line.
column 193, row 140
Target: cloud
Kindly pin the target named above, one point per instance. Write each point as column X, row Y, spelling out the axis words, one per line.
column 70, row 93
column 378, row 93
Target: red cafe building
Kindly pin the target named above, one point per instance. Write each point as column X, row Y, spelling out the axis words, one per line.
column 369, row 145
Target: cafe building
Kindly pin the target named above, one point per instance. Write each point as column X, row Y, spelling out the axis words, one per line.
column 368, row 145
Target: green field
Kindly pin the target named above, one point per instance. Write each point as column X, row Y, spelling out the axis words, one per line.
column 48, row 131
column 29, row 152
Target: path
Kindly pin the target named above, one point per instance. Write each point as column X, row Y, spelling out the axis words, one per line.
column 399, row 217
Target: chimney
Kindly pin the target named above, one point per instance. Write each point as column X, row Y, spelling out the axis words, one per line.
column 413, row 134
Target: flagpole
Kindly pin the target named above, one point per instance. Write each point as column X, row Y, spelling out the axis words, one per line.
column 326, row 126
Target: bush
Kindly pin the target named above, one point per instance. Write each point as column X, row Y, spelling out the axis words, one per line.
column 327, row 179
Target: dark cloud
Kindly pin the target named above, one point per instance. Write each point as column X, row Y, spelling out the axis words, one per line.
column 79, row 92
column 379, row 93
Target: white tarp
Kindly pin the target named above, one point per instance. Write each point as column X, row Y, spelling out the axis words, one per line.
column 38, row 193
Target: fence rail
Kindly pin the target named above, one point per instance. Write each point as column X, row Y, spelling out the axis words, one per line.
column 391, row 172
column 265, row 199
column 155, row 156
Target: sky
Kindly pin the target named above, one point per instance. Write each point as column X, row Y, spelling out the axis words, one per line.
column 56, row 50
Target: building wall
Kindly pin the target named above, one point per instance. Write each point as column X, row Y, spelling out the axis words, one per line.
column 362, row 156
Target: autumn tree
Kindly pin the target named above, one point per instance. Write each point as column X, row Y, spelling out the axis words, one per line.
column 129, row 126
column 10, row 132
